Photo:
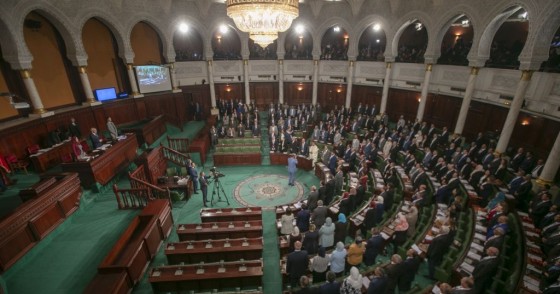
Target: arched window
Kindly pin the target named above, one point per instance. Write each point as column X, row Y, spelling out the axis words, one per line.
column 509, row 40
column 553, row 62
column 298, row 44
column 188, row 44
column 412, row 44
column 334, row 44
column 226, row 44
column 371, row 46
column 457, row 43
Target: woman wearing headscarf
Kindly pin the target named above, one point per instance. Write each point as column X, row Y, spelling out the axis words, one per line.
column 401, row 227
column 319, row 266
column 411, row 219
column 340, row 229
column 379, row 209
column 287, row 222
column 338, row 259
column 311, row 240
column 326, row 234
column 353, row 283
column 294, row 237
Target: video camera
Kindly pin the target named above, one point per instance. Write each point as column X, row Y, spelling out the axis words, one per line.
column 215, row 173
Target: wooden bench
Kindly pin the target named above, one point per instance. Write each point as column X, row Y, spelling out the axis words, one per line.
column 214, row 250
column 282, row 159
column 244, row 275
column 127, row 261
column 230, row 214
column 220, row 230
column 237, row 159
column 36, row 218
column 37, row 188
column 147, row 131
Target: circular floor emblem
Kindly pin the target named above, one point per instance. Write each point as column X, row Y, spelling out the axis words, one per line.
column 267, row 191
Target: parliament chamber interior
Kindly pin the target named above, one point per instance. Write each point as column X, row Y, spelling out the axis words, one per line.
column 179, row 146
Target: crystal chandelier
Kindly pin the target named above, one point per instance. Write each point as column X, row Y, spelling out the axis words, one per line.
column 262, row 19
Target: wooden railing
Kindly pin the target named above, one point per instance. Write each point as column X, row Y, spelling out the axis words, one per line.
column 179, row 144
column 140, row 194
column 179, row 158
column 131, row 198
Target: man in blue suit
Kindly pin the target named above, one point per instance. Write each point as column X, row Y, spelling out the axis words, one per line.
column 292, row 169
column 332, row 163
column 374, row 246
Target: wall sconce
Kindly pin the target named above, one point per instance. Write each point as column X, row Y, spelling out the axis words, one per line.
column 339, row 89
column 300, row 87
column 228, row 88
column 525, row 122
column 419, row 99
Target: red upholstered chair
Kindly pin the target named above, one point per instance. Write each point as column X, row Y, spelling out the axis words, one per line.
column 33, row 149
column 66, row 158
column 85, row 146
column 16, row 164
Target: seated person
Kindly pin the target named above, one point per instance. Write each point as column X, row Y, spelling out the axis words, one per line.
column 96, row 140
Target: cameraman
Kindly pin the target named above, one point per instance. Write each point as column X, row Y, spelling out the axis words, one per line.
column 203, row 187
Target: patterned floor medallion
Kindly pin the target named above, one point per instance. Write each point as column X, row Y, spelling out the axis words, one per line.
column 267, row 191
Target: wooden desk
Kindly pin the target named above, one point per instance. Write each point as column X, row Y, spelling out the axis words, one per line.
column 282, row 159
column 220, row 230
column 214, row 250
column 221, row 159
column 36, row 218
column 104, row 167
column 50, row 158
column 162, row 209
column 206, row 277
column 171, row 184
column 147, row 131
column 230, row 214
column 322, row 171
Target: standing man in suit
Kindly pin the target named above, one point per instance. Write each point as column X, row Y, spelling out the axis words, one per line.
column 95, row 139
column 297, row 264
column 313, row 198
column 203, row 187
column 374, row 246
column 292, row 169
column 485, row 270
column 439, row 246
column 74, row 129
column 112, row 128
column 194, row 176
column 409, row 269
column 319, row 214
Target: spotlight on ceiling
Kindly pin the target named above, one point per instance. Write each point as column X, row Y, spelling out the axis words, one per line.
column 183, row 28
column 376, row 27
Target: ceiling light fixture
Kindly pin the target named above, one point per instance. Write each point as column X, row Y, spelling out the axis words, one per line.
column 263, row 19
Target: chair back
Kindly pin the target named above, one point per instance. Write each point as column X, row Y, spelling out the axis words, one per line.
column 33, row 149
column 11, row 158
column 66, row 158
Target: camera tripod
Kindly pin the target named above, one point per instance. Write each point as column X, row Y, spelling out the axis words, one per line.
column 218, row 189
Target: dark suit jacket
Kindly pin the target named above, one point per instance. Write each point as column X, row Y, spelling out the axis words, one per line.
column 319, row 215
column 297, row 263
column 409, row 269
column 374, row 246
column 484, row 271
column 330, row 288
column 377, row 285
column 438, row 248
column 95, row 141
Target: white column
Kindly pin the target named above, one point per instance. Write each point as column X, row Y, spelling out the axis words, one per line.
column 38, row 108
column 281, row 81
column 246, row 80
column 349, row 81
column 424, row 94
column 386, row 83
column 90, row 99
column 211, row 84
column 552, row 164
column 174, row 83
column 460, row 125
column 132, row 78
column 513, row 112
column 315, row 82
